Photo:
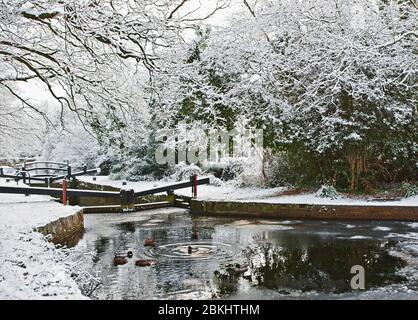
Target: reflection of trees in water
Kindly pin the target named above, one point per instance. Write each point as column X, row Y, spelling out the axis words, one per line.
column 127, row 226
column 323, row 266
column 131, row 282
column 306, row 262
column 226, row 281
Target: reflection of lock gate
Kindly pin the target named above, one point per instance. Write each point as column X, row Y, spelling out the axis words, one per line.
column 127, row 199
column 127, row 196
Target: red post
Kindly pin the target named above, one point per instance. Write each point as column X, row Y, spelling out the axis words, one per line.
column 195, row 185
column 64, row 192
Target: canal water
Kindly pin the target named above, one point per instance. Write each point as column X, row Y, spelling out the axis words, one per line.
column 223, row 258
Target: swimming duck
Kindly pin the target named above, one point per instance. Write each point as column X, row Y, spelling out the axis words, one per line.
column 149, row 242
column 119, row 260
column 189, row 249
column 143, row 263
column 130, row 254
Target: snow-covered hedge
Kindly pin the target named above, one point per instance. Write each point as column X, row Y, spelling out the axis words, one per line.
column 242, row 172
column 183, row 171
column 327, row 191
column 409, row 189
column 278, row 171
column 226, row 169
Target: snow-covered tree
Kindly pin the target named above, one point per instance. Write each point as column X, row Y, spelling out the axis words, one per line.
column 332, row 83
column 87, row 53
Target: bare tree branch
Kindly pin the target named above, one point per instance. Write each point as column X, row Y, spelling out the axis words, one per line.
column 249, row 8
column 177, row 8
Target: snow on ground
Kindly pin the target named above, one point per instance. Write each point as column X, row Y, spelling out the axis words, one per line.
column 268, row 195
column 31, row 267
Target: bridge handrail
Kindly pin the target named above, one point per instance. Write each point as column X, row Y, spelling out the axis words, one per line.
column 21, row 174
column 76, row 174
column 41, row 162
column 51, row 169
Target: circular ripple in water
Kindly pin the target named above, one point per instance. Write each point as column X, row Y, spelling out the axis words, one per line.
column 199, row 251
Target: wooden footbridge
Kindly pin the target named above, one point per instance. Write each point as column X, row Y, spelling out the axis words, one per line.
column 47, row 172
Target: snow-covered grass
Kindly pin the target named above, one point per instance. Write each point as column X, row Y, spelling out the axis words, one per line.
column 30, row 266
column 228, row 191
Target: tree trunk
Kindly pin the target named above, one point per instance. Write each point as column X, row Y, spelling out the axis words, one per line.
column 357, row 163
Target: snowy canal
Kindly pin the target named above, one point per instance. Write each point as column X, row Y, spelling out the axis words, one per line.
column 206, row 257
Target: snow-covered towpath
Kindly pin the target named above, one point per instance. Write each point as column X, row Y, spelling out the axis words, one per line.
column 31, row 267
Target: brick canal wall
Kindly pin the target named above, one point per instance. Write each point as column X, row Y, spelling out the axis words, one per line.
column 65, row 231
column 303, row 211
